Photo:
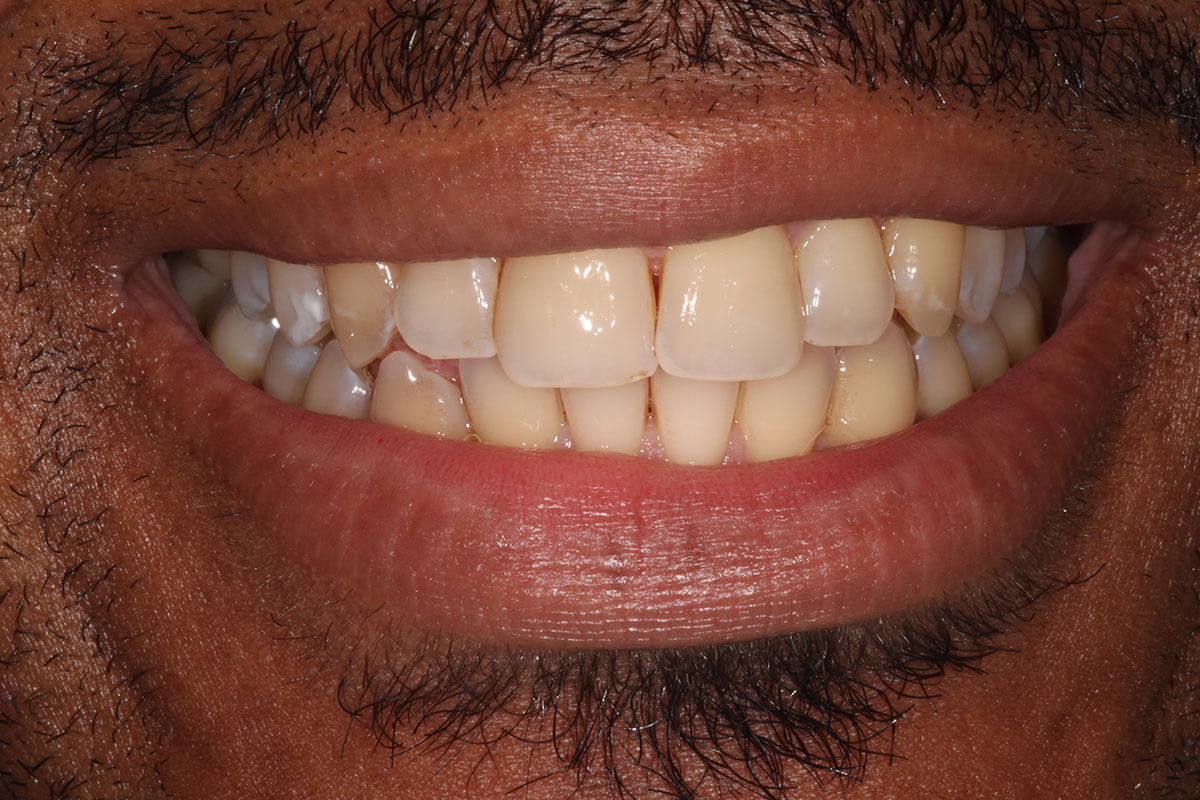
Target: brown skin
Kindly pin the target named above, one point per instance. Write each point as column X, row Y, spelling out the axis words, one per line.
column 150, row 629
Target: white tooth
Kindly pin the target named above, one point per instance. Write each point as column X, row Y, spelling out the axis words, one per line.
column 943, row 377
column 576, row 319
column 248, row 272
column 215, row 262
column 693, row 418
column 298, row 298
column 982, row 269
column 287, row 369
column 986, row 352
column 612, row 419
column 1033, row 237
column 782, row 417
column 1048, row 262
column 1014, row 260
column 874, row 390
column 444, row 310
column 926, row 260
column 334, row 387
column 505, row 413
column 1020, row 323
column 199, row 288
column 240, row 343
column 360, row 308
column 848, row 292
column 409, row 395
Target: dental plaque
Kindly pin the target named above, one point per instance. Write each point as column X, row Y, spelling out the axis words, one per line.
column 755, row 347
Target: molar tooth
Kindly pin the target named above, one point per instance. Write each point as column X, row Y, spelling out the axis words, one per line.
column 782, row 417
column 444, row 310
column 504, row 412
column 1014, row 260
column 216, row 263
column 943, row 377
column 198, row 288
column 982, row 270
column 248, row 273
column 984, row 348
column 285, row 374
column 844, row 276
column 334, row 387
column 611, row 419
column 926, row 261
column 693, row 418
column 409, row 395
column 298, row 298
column 239, row 342
column 360, row 301
column 1020, row 323
column 576, row 319
column 874, row 390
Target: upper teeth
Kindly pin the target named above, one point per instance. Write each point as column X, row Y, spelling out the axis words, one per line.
column 499, row 350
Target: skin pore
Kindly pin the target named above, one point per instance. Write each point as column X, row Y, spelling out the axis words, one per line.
column 158, row 640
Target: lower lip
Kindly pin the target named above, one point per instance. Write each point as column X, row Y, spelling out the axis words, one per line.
column 565, row 550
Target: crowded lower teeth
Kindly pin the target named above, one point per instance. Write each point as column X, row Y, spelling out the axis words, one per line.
column 755, row 347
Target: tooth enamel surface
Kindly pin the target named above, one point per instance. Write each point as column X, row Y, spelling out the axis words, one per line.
column 730, row 309
column 874, row 390
column 239, row 342
column 578, row 320
column 409, row 395
column 926, row 261
column 612, row 419
column 506, row 413
column 444, row 309
column 782, row 417
column 1048, row 263
column 360, row 308
column 216, row 263
column 1020, row 322
column 986, row 351
column 847, row 286
column 1014, row 260
column 285, row 374
column 334, row 387
column 248, row 273
column 693, row 418
column 199, row 288
column 298, row 299
column 982, row 270
column 943, row 377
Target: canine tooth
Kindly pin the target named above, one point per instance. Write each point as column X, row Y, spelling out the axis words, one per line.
column 287, row 369
column 1020, row 323
column 844, row 277
column 926, row 260
column 504, row 412
column 984, row 348
column 874, row 390
column 360, row 308
column 409, row 395
column 782, row 417
column 216, row 262
column 693, row 418
column 611, row 419
column 943, row 377
column 1048, row 262
column 444, row 310
column 298, row 299
column 239, row 342
column 334, row 387
column 248, row 273
column 198, row 288
column 982, row 269
column 1014, row 260
column 576, row 319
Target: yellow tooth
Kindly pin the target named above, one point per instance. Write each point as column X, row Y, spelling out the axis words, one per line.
column 611, row 419
column 285, row 375
column 1048, row 262
column 874, row 390
column 576, row 319
column 782, row 417
column 848, row 291
column 248, row 273
column 199, row 288
column 334, row 387
column 360, row 308
column 982, row 270
column 444, row 310
column 504, row 412
column 298, row 298
column 216, row 262
column 239, row 342
column 1020, row 322
column 926, row 261
column 409, row 395
column 1014, row 260
column 943, row 377
column 986, row 352
column 693, row 418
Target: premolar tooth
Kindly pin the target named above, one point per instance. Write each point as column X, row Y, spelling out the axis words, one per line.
column 1020, row 322
column 693, row 418
column 248, row 273
column 926, row 261
column 982, row 270
column 1048, row 262
column 1014, row 260
column 943, row 377
column 844, row 276
column 360, row 308
column 199, row 288
column 444, row 310
column 506, row 413
column 409, row 395
column 239, row 342
column 216, row 262
column 874, row 390
column 298, row 299
column 285, row 375
column 611, row 419
column 576, row 319
column 984, row 348
column 334, row 387
column 782, row 417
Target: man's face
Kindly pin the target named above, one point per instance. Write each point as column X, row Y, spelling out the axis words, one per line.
column 210, row 593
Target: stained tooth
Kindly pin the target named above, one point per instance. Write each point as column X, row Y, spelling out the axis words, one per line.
column 199, row 288
column 409, row 395
column 334, row 387
column 298, row 299
column 943, row 377
column 926, row 261
column 782, row 417
column 1014, row 260
column 982, row 270
column 1020, row 323
column 986, row 352
column 844, row 276
column 287, row 369
column 612, row 419
column 360, row 308
column 693, row 418
column 874, row 390
column 215, row 262
column 506, row 413
column 576, row 319
column 1048, row 262
column 444, row 310
column 248, row 272
column 240, row 343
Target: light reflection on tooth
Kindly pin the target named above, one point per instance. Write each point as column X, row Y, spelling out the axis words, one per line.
column 360, row 308
column 782, row 417
column 444, row 309
column 199, row 288
column 1020, row 322
column 239, row 342
column 984, row 348
column 334, row 387
column 982, row 270
column 1014, row 260
column 285, row 374
column 409, row 395
column 504, row 412
column 943, row 377
column 298, row 299
column 926, row 261
column 611, row 419
column 693, row 418
column 845, row 280
column 216, row 262
column 874, row 390
column 248, row 273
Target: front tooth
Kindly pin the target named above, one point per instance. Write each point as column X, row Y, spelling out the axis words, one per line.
column 216, row 263
column 943, row 377
column 848, row 292
column 782, row 417
column 409, row 395
column 241, row 343
column 360, row 301
column 986, row 351
column 444, row 310
column 334, row 387
column 285, row 375
column 982, row 270
column 248, row 273
column 197, row 287
column 926, row 261
column 576, row 319
column 874, row 390
column 693, row 418
column 611, row 419
column 1020, row 322
column 298, row 299
column 504, row 412
column 1014, row 260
